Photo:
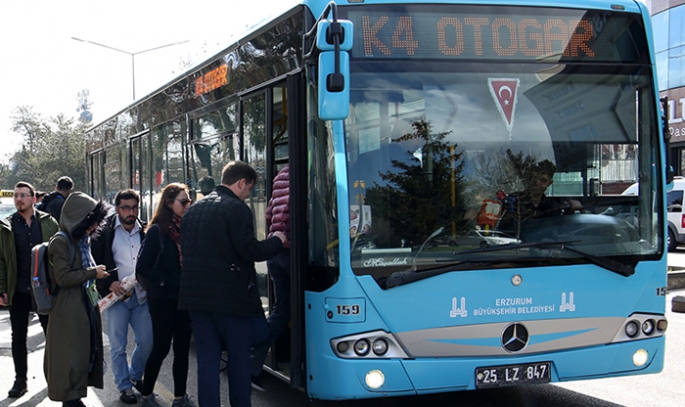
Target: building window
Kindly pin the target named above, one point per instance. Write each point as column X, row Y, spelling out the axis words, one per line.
column 660, row 24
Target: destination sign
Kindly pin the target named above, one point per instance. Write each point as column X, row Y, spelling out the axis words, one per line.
column 471, row 32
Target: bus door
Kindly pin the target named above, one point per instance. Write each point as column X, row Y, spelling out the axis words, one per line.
column 265, row 147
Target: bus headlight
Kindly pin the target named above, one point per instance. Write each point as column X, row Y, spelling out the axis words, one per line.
column 640, row 357
column 342, row 347
column 648, row 327
column 362, row 347
column 380, row 346
column 632, row 329
column 375, row 379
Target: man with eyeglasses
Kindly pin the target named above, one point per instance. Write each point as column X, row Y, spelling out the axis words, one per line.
column 117, row 248
column 19, row 232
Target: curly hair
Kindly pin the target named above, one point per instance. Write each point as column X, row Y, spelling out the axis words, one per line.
column 95, row 217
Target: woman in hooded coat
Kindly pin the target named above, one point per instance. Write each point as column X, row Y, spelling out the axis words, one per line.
column 73, row 350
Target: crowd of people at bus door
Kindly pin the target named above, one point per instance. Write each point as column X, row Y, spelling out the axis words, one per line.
column 174, row 292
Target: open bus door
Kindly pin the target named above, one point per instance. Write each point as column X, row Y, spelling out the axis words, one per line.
column 287, row 357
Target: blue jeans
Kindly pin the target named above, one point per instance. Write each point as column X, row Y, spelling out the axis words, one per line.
column 215, row 332
column 119, row 316
column 279, row 271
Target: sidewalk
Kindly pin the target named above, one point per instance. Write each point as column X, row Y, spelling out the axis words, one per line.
column 37, row 386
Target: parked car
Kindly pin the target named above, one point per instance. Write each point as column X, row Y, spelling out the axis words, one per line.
column 481, row 238
column 6, row 209
column 675, row 214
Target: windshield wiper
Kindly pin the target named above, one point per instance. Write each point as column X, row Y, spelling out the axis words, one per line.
column 611, row 265
column 405, row 277
column 617, row 267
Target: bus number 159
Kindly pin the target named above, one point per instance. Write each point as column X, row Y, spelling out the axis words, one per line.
column 347, row 309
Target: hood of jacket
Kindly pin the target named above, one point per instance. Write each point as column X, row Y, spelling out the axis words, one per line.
column 76, row 209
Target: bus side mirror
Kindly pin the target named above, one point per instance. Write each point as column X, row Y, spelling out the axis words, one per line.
column 334, row 90
column 334, row 39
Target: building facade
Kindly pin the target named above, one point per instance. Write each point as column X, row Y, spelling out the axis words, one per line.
column 668, row 22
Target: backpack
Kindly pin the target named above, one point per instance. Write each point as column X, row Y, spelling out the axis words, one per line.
column 43, row 206
column 40, row 279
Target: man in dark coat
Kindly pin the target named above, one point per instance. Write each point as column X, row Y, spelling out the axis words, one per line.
column 52, row 202
column 219, row 283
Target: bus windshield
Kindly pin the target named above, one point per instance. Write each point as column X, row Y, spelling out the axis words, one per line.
column 448, row 160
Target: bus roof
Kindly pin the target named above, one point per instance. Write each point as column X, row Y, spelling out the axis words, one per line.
column 318, row 6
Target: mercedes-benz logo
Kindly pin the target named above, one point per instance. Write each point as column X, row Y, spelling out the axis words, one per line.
column 514, row 337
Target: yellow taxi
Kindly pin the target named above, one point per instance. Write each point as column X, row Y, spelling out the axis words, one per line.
column 6, row 202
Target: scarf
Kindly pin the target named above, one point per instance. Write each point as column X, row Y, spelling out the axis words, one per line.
column 93, row 297
column 175, row 234
column 88, row 261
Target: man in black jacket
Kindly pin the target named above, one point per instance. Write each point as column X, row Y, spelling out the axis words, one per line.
column 52, row 202
column 219, row 283
column 117, row 248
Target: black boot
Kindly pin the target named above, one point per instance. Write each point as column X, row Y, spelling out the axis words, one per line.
column 73, row 403
column 18, row 389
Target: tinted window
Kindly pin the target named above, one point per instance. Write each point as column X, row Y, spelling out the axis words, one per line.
column 674, row 201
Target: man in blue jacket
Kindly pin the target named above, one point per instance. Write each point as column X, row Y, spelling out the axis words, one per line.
column 219, row 283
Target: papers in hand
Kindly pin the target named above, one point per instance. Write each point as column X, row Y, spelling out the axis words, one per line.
column 127, row 284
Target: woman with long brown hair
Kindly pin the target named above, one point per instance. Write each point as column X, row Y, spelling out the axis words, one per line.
column 159, row 266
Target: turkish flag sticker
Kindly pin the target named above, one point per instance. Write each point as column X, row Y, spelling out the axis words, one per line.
column 504, row 93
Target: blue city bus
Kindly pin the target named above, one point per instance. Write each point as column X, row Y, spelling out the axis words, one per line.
column 456, row 169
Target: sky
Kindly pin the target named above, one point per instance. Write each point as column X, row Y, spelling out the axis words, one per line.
column 44, row 68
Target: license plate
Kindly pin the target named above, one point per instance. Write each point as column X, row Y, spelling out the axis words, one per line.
column 512, row 375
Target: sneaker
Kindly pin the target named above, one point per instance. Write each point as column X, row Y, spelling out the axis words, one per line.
column 17, row 390
column 257, row 384
column 184, row 401
column 150, row 401
column 128, row 397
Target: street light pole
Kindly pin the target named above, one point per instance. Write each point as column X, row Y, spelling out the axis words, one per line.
column 132, row 54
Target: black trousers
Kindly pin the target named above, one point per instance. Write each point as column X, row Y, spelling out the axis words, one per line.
column 20, row 313
column 168, row 324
